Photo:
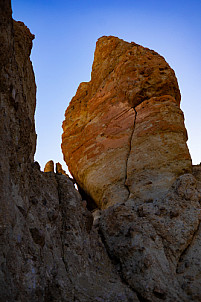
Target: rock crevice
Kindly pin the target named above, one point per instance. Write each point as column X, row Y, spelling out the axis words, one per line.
column 189, row 244
column 130, row 146
column 148, row 241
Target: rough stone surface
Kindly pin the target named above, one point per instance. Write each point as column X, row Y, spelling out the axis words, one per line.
column 156, row 244
column 49, row 167
column 158, row 148
column 108, row 125
column 49, row 250
column 125, row 144
column 51, row 247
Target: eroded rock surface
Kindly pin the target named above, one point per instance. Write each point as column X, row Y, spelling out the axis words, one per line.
column 124, row 129
column 51, row 248
column 158, row 148
column 48, row 248
column 59, row 169
column 124, row 141
column 156, row 244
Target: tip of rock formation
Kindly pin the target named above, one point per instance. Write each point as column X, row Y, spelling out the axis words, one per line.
column 59, row 169
column 49, row 166
column 124, row 135
column 24, row 37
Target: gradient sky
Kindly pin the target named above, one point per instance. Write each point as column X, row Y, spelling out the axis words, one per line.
column 62, row 56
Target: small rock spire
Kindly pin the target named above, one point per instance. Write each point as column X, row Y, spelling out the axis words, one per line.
column 49, row 167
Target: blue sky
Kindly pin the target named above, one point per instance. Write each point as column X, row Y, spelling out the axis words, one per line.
column 62, row 56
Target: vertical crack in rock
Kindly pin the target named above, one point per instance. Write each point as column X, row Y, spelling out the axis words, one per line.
column 117, row 264
column 188, row 245
column 62, row 228
column 130, row 145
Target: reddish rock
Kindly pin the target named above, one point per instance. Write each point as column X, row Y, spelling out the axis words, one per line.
column 100, row 121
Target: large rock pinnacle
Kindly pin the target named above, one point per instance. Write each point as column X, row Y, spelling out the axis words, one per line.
column 124, row 133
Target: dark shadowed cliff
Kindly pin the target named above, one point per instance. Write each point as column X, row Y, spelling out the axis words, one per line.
column 48, row 249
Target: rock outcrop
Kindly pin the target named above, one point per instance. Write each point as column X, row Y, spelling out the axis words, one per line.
column 52, row 248
column 156, row 244
column 124, row 132
column 48, row 248
column 124, row 142
column 158, row 152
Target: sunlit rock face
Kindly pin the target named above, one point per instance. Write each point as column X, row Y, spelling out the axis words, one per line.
column 159, row 153
column 49, row 166
column 124, row 133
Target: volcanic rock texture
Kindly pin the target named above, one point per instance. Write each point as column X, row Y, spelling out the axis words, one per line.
column 124, row 132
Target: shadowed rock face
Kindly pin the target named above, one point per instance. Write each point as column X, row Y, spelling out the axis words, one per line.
column 48, row 249
column 157, row 243
column 124, row 132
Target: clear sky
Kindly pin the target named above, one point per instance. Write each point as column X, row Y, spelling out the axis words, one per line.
column 66, row 32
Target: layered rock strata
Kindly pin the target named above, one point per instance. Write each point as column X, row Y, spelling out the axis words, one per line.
column 158, row 151
column 124, row 132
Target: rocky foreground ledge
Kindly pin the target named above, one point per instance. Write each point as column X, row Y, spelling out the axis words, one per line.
column 144, row 241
